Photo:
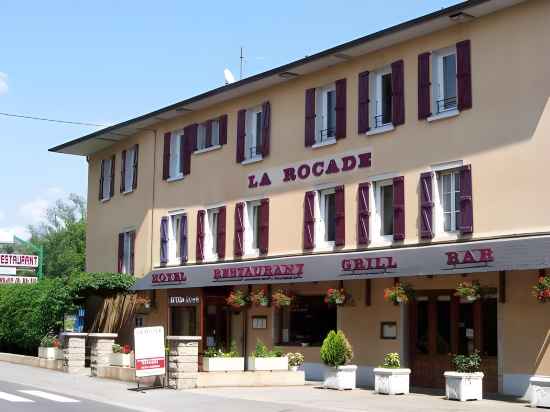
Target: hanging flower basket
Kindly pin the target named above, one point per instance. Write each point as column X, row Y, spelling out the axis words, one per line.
column 237, row 299
column 259, row 297
column 336, row 296
column 281, row 299
column 471, row 291
column 542, row 289
column 399, row 293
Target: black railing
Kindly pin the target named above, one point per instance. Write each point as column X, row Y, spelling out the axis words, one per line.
column 255, row 151
column 446, row 104
column 381, row 120
column 326, row 134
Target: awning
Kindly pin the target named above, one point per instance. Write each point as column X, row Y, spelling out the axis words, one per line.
column 515, row 253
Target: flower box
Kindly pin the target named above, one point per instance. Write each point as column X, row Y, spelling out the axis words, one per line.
column 124, row 360
column 464, row 386
column 222, row 364
column 50, row 353
column 268, row 364
column 341, row 377
column 391, row 381
column 540, row 391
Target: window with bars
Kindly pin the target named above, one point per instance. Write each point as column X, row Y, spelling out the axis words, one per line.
column 325, row 115
column 444, row 80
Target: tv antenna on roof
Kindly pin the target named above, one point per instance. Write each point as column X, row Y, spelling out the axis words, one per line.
column 229, row 78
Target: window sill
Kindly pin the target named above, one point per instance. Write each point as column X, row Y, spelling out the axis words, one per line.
column 105, row 199
column 207, row 149
column 326, row 247
column 444, row 115
column 379, row 130
column 252, row 160
column 175, row 178
column 445, row 236
column 211, row 258
column 127, row 192
column 254, row 253
column 325, row 143
column 382, row 241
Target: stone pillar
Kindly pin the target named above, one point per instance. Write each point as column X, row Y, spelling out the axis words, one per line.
column 74, row 348
column 183, row 361
column 101, row 349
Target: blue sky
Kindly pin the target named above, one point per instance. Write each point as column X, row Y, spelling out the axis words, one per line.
column 105, row 61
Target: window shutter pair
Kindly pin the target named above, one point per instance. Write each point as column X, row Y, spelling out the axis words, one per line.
column 183, row 240
column 363, row 214
column 309, row 220
column 340, row 108
column 200, row 235
column 123, row 172
column 164, row 241
column 221, row 232
column 166, row 156
column 398, row 208
column 398, row 92
column 223, row 129
column 241, row 134
column 363, row 94
column 239, row 229
column 187, row 146
column 101, row 179
column 263, row 238
column 266, row 128
column 340, row 212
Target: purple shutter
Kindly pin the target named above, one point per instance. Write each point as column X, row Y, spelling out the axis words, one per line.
column 123, row 172
column 266, row 128
column 120, row 252
column 221, row 232
column 132, row 251
column 363, row 213
column 340, row 209
column 363, row 113
column 426, row 206
column 200, row 235
column 208, row 127
column 183, row 240
column 466, row 205
column 241, row 134
column 166, row 156
column 310, row 118
column 398, row 92
column 340, row 108
column 164, row 241
column 223, row 129
column 424, row 86
column 309, row 220
column 464, row 74
column 187, row 147
column 101, row 179
column 239, row 229
column 263, row 239
column 135, row 166
column 399, row 208
column 113, row 161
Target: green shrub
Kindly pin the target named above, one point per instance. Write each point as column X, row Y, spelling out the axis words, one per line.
column 467, row 363
column 336, row 349
column 392, row 361
column 262, row 351
column 219, row 353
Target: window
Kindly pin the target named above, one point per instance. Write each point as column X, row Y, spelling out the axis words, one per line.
column 175, row 155
column 204, row 141
column 325, row 114
column 107, row 177
column 449, row 198
column 381, row 95
column 253, row 138
column 444, row 80
column 307, row 321
column 126, row 242
column 383, row 214
column 386, row 209
column 129, row 170
column 252, row 228
column 211, row 238
column 174, row 241
column 327, row 205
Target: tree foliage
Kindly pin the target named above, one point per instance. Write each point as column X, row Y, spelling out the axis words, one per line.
column 336, row 349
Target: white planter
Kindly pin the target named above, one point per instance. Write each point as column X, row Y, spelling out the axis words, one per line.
column 341, row 378
column 464, row 386
column 267, row 364
column 50, row 353
column 391, row 381
column 124, row 360
column 222, row 364
column 293, row 368
column 540, row 391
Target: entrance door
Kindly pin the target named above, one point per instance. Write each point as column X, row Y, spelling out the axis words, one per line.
column 184, row 321
column 442, row 324
column 216, row 323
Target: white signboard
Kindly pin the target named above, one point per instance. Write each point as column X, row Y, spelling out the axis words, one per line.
column 10, row 280
column 149, row 351
column 17, row 261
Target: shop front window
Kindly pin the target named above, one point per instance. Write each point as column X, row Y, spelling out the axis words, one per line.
column 184, row 321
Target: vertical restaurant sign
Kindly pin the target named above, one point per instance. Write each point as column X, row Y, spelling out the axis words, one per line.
column 150, row 354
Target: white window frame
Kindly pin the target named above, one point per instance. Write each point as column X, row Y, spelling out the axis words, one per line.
column 211, row 235
column 127, row 251
column 321, row 114
column 201, row 136
column 107, row 178
column 215, row 138
column 375, row 108
column 250, row 135
column 438, row 215
column 249, row 249
column 129, row 170
column 437, row 92
column 175, row 158
column 375, row 199
column 321, row 244
column 173, row 252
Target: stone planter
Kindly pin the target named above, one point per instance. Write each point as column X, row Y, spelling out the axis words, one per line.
column 50, row 353
column 223, row 364
column 341, row 377
column 391, row 381
column 464, row 386
column 268, row 364
column 124, row 360
column 540, row 391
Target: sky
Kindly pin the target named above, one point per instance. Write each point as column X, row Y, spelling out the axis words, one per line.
column 106, row 61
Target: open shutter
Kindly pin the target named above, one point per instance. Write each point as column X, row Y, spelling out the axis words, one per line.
column 398, row 92
column 340, row 108
column 183, row 240
column 221, row 232
column 120, row 265
column 223, row 129
column 208, row 128
column 187, row 147
column 135, row 166
column 164, row 241
column 363, row 214
column 241, row 134
column 132, row 251
column 363, row 93
column 426, row 206
column 466, row 205
column 239, row 229
column 424, row 86
column 340, row 209
column 398, row 208
column 263, row 239
column 310, row 118
column 266, row 128
column 200, row 235
column 113, row 161
column 166, row 156
column 123, row 171
column 309, row 220
column 464, row 74
column 101, row 179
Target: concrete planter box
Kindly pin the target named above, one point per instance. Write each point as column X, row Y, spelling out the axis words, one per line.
column 124, row 360
column 50, row 353
column 341, row 377
column 540, row 391
column 464, row 386
column 391, row 381
column 223, row 364
column 267, row 364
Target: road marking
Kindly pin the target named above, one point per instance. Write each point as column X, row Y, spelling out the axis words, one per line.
column 13, row 398
column 49, row 396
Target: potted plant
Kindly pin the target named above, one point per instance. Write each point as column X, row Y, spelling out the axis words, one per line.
column 216, row 360
column 143, row 304
column 122, row 356
column 336, row 296
column 398, row 293
column 390, row 378
column 259, row 297
column 471, row 291
column 336, row 353
column 50, row 348
column 295, row 360
column 542, row 289
column 237, row 299
column 281, row 299
column 466, row 383
column 263, row 359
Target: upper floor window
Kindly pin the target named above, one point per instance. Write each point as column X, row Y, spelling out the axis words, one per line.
column 106, row 181
column 253, row 141
column 208, row 135
column 449, row 195
column 253, row 133
column 176, row 140
column 252, row 227
column 324, row 218
column 382, row 98
column 327, row 217
column 444, row 80
column 325, row 114
column 384, row 202
column 126, row 246
column 388, row 217
column 129, row 170
column 175, row 239
column 212, row 232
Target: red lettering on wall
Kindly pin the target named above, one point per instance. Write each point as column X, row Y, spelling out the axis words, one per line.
column 318, row 168
column 348, row 163
column 303, row 171
column 290, row 174
column 265, row 180
column 332, row 167
column 364, row 160
column 252, row 183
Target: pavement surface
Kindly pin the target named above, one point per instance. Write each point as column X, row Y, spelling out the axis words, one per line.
column 24, row 388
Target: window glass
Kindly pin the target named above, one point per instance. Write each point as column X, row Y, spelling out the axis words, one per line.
column 129, row 169
column 422, row 327
column 449, row 189
column 331, row 114
column 127, row 253
column 255, row 225
column 184, row 321
column 386, row 99
column 175, row 142
column 443, row 326
column 449, row 81
column 106, row 189
column 215, row 132
column 213, row 226
column 330, row 216
column 386, row 209
column 258, row 139
column 201, row 136
column 253, row 137
column 176, row 238
column 489, row 322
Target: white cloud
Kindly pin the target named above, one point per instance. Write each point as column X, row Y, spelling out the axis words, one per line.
column 2, row 215
column 3, row 83
column 7, row 233
column 34, row 211
column 56, row 192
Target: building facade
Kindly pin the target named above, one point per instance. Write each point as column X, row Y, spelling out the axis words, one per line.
column 415, row 156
